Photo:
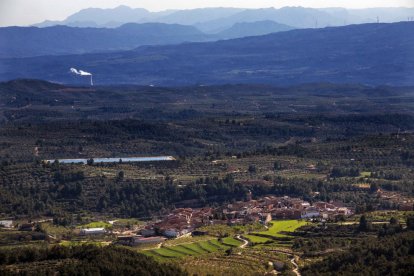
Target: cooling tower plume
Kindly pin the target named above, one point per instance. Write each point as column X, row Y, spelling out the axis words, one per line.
column 82, row 73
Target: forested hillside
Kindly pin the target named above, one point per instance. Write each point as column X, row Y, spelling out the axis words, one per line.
column 81, row 260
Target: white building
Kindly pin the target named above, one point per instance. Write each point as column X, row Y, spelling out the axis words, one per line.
column 93, row 231
column 6, row 223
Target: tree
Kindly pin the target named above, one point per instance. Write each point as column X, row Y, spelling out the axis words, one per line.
column 252, row 169
column 373, row 187
column 277, row 166
column 229, row 251
column 393, row 221
column 410, row 222
column 121, row 175
column 364, row 224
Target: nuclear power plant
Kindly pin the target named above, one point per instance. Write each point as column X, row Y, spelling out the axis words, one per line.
column 82, row 73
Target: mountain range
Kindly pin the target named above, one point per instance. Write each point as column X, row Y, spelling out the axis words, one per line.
column 60, row 40
column 96, row 30
column 214, row 20
column 367, row 53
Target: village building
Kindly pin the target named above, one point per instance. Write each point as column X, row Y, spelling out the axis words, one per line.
column 311, row 212
column 93, row 231
column 27, row 227
column 6, row 223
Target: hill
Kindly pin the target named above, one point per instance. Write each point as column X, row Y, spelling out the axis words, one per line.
column 297, row 17
column 253, row 29
column 97, row 17
column 368, row 53
column 81, row 260
column 59, row 40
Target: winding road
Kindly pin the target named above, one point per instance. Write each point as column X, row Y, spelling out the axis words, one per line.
column 293, row 260
column 296, row 269
column 245, row 242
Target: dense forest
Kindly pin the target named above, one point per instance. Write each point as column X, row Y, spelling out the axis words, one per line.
column 290, row 128
column 389, row 255
column 81, row 260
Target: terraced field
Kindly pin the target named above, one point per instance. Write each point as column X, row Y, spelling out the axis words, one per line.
column 250, row 261
column 231, row 242
column 191, row 249
column 256, row 239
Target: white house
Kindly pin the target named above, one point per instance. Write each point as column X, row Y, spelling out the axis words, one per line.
column 93, row 231
column 6, row 223
column 344, row 211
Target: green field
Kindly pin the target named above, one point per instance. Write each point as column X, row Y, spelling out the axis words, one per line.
column 231, row 242
column 219, row 245
column 208, row 246
column 79, row 243
column 192, row 249
column 97, row 224
column 168, row 252
column 365, row 174
column 256, row 239
column 278, row 227
column 195, row 247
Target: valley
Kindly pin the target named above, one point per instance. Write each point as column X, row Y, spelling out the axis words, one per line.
column 344, row 152
column 178, row 138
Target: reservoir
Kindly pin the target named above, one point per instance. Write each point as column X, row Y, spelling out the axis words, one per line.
column 114, row 160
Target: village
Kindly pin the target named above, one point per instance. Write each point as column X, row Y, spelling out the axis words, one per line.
column 185, row 222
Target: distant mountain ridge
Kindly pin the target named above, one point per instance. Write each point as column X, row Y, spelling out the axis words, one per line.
column 214, row 20
column 373, row 54
column 253, row 29
column 61, row 40
column 96, row 17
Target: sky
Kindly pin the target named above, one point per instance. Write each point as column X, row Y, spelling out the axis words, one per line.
column 26, row 12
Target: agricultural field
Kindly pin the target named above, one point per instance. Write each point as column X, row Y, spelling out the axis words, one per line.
column 187, row 240
column 190, row 249
column 55, row 230
column 231, row 242
column 238, row 262
column 313, row 142
column 80, row 243
column 97, row 224
column 223, row 256
column 281, row 228
column 257, row 239
column 385, row 216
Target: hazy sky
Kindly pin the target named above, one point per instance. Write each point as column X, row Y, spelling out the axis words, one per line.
column 25, row 12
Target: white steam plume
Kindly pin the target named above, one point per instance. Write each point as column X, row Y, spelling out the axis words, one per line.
column 81, row 73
